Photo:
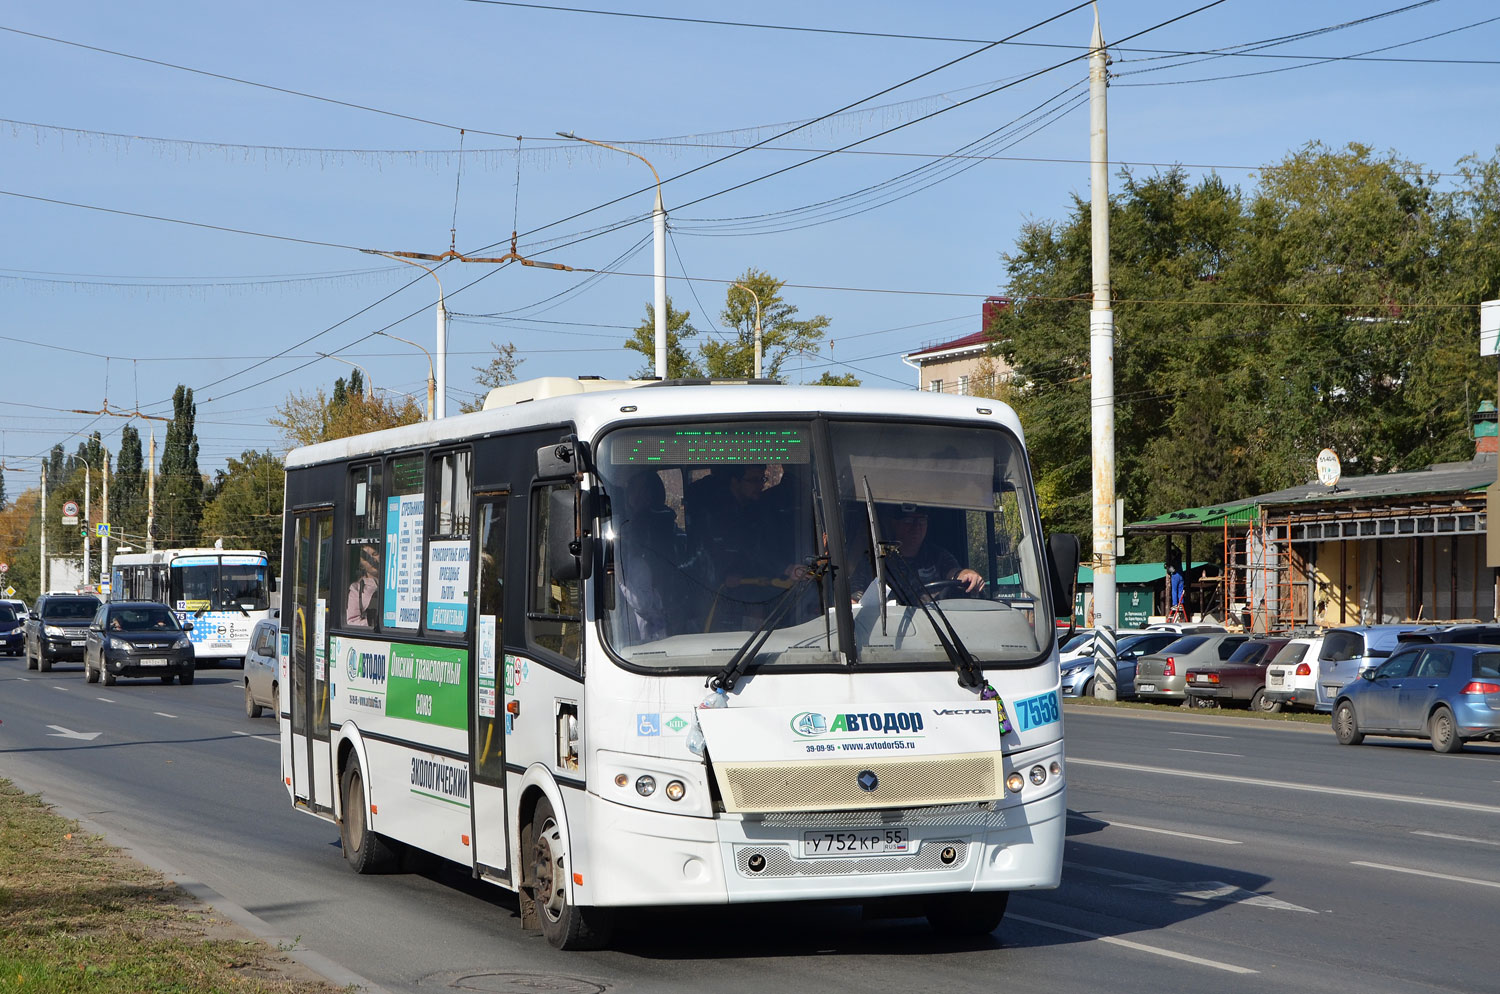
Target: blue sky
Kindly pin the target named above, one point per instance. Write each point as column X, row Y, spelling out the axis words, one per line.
column 308, row 182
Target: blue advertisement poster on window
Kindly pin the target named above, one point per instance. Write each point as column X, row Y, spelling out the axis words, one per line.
column 448, row 585
column 403, row 561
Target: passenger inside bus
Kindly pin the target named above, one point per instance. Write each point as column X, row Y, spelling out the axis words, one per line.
column 648, row 570
column 360, row 606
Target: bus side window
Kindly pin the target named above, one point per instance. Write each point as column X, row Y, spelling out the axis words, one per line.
column 448, row 572
column 363, row 532
column 554, row 615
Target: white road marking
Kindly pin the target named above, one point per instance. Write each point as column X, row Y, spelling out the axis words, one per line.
column 60, row 732
column 1459, row 838
column 106, row 700
column 1139, row 947
column 1426, row 873
column 63, row 689
column 1205, row 752
column 1369, row 795
column 1202, row 890
column 1163, row 831
column 263, row 738
column 1202, row 735
column 164, row 714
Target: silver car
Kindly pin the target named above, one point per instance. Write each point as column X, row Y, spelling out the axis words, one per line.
column 263, row 669
column 1162, row 676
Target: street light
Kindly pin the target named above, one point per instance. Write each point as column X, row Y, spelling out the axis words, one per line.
column 757, row 323
column 431, row 382
column 369, row 380
column 659, row 245
column 439, row 379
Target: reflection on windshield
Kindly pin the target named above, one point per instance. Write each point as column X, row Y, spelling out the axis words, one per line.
column 706, row 527
column 143, row 619
column 210, row 586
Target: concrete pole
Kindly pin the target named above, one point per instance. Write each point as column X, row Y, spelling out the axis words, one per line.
column 440, row 360
column 151, row 496
column 104, row 540
column 659, row 250
column 87, row 523
column 1102, row 378
column 42, row 569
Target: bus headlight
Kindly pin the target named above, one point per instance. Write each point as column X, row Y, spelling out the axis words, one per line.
column 645, row 785
column 675, row 790
column 1014, row 783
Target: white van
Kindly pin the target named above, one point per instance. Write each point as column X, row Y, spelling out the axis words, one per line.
column 1292, row 677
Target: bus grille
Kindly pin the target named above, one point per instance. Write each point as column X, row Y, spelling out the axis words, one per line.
column 818, row 786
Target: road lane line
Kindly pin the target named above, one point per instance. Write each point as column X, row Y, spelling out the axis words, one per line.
column 1205, row 752
column 1158, row 831
column 106, row 700
column 263, row 738
column 1202, row 735
column 1459, row 838
column 1368, row 795
column 1137, row 946
column 1426, row 873
column 164, row 714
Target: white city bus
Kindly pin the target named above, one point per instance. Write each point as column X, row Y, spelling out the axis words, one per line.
column 614, row 644
column 223, row 592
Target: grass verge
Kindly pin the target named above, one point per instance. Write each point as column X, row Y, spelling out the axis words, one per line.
column 78, row 915
column 1306, row 717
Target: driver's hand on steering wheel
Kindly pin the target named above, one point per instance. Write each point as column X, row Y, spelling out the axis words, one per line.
column 971, row 580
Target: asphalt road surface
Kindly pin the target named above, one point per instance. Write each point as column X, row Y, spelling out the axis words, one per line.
column 1204, row 854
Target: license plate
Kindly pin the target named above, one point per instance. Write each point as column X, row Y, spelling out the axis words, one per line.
column 1145, row 688
column 1274, row 680
column 153, row 662
column 79, row 641
column 862, row 842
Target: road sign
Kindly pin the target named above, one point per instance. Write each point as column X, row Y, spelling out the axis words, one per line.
column 1489, row 327
column 70, row 512
column 10, row 591
column 102, row 529
column 4, row 567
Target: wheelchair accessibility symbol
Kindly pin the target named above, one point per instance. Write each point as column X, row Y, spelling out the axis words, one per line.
column 648, row 724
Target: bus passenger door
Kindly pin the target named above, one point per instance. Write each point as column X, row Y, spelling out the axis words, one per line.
column 488, row 691
column 312, row 761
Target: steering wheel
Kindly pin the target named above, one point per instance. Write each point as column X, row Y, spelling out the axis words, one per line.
column 940, row 590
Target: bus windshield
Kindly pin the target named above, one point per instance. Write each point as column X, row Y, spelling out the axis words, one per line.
column 205, row 583
column 710, row 528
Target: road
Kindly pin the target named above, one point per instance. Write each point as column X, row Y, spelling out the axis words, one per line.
column 1204, row 853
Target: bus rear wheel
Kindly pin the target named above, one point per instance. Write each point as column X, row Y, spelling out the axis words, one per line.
column 365, row 850
column 565, row 924
column 967, row 915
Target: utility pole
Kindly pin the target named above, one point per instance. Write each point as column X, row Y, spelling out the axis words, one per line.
column 1102, row 376
column 87, row 521
column 151, row 496
column 42, row 570
column 104, row 586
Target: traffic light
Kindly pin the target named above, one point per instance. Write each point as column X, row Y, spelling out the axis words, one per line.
column 83, row 530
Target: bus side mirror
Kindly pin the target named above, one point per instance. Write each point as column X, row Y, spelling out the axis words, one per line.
column 555, row 460
column 570, row 549
column 1062, row 567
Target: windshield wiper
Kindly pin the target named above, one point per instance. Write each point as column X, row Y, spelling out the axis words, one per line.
column 879, row 549
column 727, row 677
column 970, row 675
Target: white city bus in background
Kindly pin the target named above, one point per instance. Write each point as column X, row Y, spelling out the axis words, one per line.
column 223, row 592
column 614, row 644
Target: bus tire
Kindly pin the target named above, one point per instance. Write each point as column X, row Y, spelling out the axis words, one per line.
column 366, row 851
column 565, row 924
column 969, row 915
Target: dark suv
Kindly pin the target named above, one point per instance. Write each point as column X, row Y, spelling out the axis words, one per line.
column 57, row 630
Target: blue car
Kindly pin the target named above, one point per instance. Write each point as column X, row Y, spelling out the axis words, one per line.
column 12, row 631
column 1448, row 693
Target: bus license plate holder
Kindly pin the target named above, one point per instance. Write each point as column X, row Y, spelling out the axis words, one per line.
column 884, row 841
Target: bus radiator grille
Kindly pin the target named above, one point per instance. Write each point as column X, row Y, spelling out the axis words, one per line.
column 819, row 786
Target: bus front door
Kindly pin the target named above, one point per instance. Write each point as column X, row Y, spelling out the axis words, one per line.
column 489, row 675
column 312, row 761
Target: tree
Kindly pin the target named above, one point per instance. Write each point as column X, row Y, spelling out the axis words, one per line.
column 308, row 418
column 180, row 487
column 55, row 462
column 500, row 370
column 680, row 365
column 782, row 336
column 246, row 509
column 127, row 490
column 837, row 380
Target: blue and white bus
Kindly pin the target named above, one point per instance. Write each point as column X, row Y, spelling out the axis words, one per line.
column 223, row 592
column 623, row 644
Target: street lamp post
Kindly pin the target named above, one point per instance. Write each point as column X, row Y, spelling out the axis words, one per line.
column 757, row 323
column 431, row 381
column 369, row 380
column 659, row 246
column 440, row 367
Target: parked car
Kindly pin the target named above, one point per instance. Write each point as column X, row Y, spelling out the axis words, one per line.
column 1185, row 628
column 1470, row 634
column 1240, row 679
column 19, row 607
column 138, row 639
column 1083, row 644
column 57, row 629
column 1449, row 693
column 1349, row 651
column 263, row 669
column 1078, row 675
column 12, row 630
column 1292, row 677
column 1162, row 675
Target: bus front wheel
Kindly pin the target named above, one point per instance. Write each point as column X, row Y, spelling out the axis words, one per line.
column 366, row 851
column 565, row 924
column 967, row 915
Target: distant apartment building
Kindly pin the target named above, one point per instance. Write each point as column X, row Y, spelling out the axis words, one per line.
column 963, row 365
